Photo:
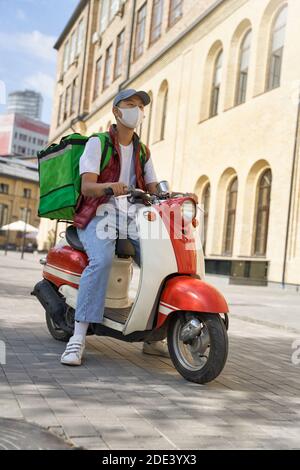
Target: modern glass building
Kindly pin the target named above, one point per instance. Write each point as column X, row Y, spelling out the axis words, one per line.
column 28, row 102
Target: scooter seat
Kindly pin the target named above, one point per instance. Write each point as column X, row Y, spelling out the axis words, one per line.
column 73, row 239
column 124, row 247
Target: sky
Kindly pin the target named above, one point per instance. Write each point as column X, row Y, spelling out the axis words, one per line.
column 28, row 32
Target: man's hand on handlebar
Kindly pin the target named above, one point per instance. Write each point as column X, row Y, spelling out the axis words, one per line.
column 118, row 189
column 134, row 194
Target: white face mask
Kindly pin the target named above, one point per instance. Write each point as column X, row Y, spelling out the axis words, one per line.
column 131, row 117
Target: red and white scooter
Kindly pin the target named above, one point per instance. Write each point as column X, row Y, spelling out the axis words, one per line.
column 172, row 299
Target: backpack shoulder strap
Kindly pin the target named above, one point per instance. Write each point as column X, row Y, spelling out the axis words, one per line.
column 144, row 156
column 106, row 148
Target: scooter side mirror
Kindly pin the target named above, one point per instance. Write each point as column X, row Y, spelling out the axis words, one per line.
column 163, row 187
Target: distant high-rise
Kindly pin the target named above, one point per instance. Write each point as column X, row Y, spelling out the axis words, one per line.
column 27, row 102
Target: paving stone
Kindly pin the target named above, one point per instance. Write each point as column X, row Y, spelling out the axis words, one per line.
column 90, row 443
column 76, row 426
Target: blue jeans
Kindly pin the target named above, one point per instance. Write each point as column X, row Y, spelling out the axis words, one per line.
column 94, row 279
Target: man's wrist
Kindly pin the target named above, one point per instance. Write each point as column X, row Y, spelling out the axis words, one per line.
column 102, row 187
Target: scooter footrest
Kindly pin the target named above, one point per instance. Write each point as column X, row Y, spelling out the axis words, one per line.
column 119, row 315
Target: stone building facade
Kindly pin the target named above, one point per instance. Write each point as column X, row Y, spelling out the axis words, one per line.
column 224, row 77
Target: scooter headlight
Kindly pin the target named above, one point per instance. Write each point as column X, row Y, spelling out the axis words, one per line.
column 188, row 210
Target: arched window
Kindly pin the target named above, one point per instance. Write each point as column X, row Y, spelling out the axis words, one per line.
column 162, row 105
column 205, row 204
column 242, row 79
column 262, row 213
column 231, row 201
column 145, row 127
column 164, row 115
column 149, row 118
column 276, row 49
column 216, row 85
column 140, row 130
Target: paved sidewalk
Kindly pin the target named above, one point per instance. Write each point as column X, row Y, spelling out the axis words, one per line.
column 122, row 399
column 272, row 306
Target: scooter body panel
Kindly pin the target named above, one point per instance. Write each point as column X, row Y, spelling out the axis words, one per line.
column 182, row 238
column 186, row 293
column 64, row 265
column 157, row 262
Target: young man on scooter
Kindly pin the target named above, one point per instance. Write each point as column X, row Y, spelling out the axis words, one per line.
column 126, row 170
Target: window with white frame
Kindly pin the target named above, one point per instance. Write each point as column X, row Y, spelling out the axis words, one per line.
column 109, row 8
column 80, row 35
column 242, row 79
column 119, row 54
column 74, row 95
column 97, row 78
column 175, row 11
column 114, row 7
column 4, row 188
column 262, row 212
column 276, row 50
column 73, row 47
column 67, row 102
column 156, row 20
column 140, row 32
column 66, row 56
column 108, row 67
column 216, row 86
column 3, row 214
column 205, row 204
column 27, row 193
column 230, row 216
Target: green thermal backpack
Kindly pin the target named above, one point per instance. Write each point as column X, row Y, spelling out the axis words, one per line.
column 60, row 180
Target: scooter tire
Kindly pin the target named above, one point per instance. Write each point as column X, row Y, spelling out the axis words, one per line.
column 218, row 349
column 55, row 332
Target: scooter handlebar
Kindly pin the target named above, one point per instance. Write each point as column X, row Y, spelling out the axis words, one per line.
column 108, row 192
column 133, row 193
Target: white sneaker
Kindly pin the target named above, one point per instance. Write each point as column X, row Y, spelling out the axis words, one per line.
column 156, row 348
column 74, row 351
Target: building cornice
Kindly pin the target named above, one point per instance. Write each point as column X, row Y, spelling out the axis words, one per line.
column 78, row 10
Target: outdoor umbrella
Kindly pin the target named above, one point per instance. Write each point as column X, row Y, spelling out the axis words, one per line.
column 19, row 226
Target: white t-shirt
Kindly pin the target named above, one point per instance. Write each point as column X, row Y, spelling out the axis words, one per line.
column 90, row 162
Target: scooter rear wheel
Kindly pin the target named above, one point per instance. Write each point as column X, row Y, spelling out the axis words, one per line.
column 202, row 358
column 55, row 331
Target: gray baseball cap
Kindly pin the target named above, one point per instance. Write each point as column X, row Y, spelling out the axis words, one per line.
column 124, row 94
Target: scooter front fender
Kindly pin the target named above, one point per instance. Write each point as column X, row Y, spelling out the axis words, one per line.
column 186, row 293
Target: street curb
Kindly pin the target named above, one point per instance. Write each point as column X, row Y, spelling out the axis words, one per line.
column 285, row 328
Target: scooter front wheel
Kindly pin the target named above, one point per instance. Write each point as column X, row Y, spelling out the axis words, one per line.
column 198, row 345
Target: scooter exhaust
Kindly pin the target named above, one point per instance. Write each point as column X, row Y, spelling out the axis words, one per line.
column 52, row 302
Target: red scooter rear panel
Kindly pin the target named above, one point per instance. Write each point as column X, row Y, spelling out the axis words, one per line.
column 64, row 266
